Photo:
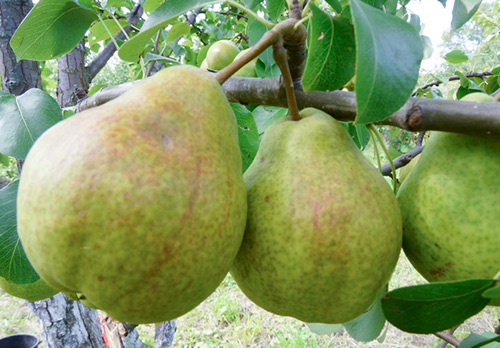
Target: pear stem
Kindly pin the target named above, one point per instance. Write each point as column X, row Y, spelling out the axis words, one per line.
column 382, row 144
column 375, row 148
column 280, row 57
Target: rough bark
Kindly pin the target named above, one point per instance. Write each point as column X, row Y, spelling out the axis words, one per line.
column 67, row 323
column 17, row 77
column 3, row 182
column 71, row 76
column 164, row 334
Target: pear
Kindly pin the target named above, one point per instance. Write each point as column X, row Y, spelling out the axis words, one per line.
column 248, row 70
column 36, row 291
column 450, row 206
column 138, row 205
column 403, row 172
column 221, row 54
column 323, row 231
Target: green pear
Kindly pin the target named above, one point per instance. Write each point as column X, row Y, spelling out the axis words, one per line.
column 221, row 54
column 404, row 171
column 36, row 291
column 138, row 205
column 204, row 64
column 248, row 70
column 450, row 206
column 478, row 97
column 323, row 231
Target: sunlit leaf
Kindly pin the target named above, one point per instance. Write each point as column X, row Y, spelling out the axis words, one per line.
column 389, row 52
column 51, row 29
column 463, row 10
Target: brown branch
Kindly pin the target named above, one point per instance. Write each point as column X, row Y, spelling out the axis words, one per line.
column 401, row 161
column 450, row 332
column 418, row 114
column 453, row 78
column 445, row 336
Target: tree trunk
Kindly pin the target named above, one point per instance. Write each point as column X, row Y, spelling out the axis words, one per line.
column 67, row 323
column 17, row 77
column 71, row 76
column 164, row 334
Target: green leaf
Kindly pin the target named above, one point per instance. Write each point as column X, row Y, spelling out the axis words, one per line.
column 332, row 52
column 4, row 160
column 389, row 52
column 369, row 325
column 429, row 308
column 24, row 118
column 151, row 57
column 463, row 10
column 358, row 133
column 496, row 70
column 275, row 8
column 324, row 329
column 251, row 4
column 247, row 134
column 265, row 115
column 151, row 5
column 98, row 30
column 335, row 4
column 14, row 265
column 493, row 292
column 51, row 29
column 475, row 341
column 177, row 30
column 159, row 19
column 456, row 57
column 255, row 32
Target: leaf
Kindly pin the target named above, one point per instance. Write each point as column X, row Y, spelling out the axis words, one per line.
column 275, row 8
column 14, row 265
column 24, row 118
column 335, row 4
column 463, row 10
column 493, row 292
column 98, row 31
column 496, row 70
column 456, row 57
column 369, row 325
column 151, row 57
column 159, row 19
column 265, row 115
column 389, row 52
column 4, row 160
column 177, row 30
column 255, row 32
column 428, row 47
column 435, row 307
column 247, row 134
column 475, row 341
column 332, row 52
column 252, row 4
column 51, row 29
column 324, row 329
column 358, row 133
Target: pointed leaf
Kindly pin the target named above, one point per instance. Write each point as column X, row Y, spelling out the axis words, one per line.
column 24, row 118
column 324, row 329
column 332, row 52
column 463, row 10
column 14, row 265
column 335, row 4
column 275, row 8
column 389, row 52
column 247, row 134
column 369, row 325
column 493, row 292
column 456, row 57
column 159, row 19
column 475, row 341
column 51, row 29
column 435, row 307
column 255, row 32
column 177, row 30
column 265, row 115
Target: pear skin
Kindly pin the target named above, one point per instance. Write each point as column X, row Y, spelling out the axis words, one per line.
column 139, row 205
column 450, row 203
column 323, row 231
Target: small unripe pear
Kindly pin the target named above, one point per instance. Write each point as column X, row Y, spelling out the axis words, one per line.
column 221, row 54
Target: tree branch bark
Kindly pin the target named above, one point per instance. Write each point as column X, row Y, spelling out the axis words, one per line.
column 418, row 114
column 17, row 77
column 102, row 58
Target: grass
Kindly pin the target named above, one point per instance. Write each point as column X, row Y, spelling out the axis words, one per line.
column 229, row 319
